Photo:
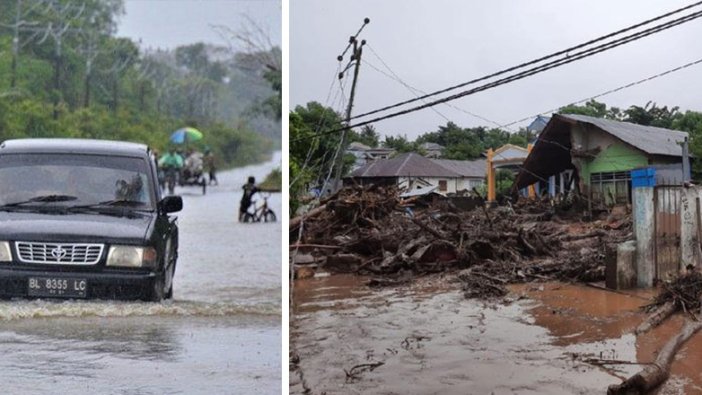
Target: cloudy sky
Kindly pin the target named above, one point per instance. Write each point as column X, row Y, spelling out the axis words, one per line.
column 433, row 44
column 170, row 23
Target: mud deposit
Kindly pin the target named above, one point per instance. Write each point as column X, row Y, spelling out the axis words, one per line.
column 427, row 338
column 220, row 334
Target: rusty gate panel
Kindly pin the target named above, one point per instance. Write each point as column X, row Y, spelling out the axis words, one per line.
column 667, row 220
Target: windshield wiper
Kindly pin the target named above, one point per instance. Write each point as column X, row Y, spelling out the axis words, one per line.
column 40, row 199
column 110, row 203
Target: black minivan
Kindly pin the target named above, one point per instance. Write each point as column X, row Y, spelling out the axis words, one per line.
column 84, row 219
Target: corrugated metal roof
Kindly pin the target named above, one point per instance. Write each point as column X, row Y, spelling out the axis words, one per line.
column 466, row 168
column 649, row 139
column 356, row 146
column 405, row 165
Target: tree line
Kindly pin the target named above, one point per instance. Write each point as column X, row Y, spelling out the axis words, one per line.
column 65, row 73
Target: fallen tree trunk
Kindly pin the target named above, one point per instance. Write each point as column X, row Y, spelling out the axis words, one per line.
column 654, row 375
column 572, row 237
column 658, row 316
column 295, row 222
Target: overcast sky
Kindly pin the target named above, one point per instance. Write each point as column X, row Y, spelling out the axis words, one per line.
column 171, row 23
column 433, row 44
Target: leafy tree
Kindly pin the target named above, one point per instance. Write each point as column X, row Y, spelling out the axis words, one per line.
column 592, row 108
column 651, row 115
column 73, row 77
column 401, row 144
column 367, row 136
column 311, row 148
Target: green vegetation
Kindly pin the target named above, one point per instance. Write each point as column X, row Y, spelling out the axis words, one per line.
column 69, row 76
column 273, row 181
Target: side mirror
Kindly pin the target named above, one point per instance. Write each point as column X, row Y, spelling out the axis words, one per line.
column 171, row 204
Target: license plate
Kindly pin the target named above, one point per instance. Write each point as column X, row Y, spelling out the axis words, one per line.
column 57, row 287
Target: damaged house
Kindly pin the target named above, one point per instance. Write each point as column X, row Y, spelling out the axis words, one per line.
column 596, row 156
column 411, row 171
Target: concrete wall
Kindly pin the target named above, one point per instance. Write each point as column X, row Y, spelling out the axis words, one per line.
column 468, row 183
column 689, row 238
column 643, row 213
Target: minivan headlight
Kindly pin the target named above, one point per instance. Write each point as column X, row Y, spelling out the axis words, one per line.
column 131, row 256
column 5, row 255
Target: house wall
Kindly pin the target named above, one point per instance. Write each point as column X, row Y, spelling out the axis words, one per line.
column 614, row 155
column 453, row 185
column 469, row 183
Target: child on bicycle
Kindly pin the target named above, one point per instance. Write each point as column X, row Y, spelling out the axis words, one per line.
column 249, row 189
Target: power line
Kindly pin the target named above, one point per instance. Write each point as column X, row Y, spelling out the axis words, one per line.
column 413, row 90
column 535, row 70
column 629, row 85
column 532, row 62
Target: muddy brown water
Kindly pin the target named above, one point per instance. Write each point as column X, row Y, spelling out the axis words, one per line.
column 220, row 335
column 431, row 340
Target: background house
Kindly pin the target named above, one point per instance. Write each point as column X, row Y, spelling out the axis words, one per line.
column 365, row 154
column 597, row 155
column 358, row 150
column 472, row 172
column 413, row 171
column 433, row 150
column 509, row 157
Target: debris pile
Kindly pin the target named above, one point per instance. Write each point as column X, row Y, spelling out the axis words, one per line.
column 684, row 292
column 370, row 230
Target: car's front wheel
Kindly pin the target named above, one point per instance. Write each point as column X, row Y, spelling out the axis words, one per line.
column 169, row 293
column 157, row 291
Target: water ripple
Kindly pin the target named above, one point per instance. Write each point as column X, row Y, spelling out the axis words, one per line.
column 22, row 309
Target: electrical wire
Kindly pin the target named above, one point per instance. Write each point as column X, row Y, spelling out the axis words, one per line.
column 532, row 62
column 533, row 71
column 629, row 85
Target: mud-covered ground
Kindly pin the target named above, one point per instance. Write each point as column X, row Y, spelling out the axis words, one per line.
column 425, row 337
column 220, row 335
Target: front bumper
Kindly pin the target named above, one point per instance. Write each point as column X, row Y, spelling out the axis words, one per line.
column 100, row 285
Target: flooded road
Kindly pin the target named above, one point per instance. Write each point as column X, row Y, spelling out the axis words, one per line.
column 221, row 333
column 426, row 338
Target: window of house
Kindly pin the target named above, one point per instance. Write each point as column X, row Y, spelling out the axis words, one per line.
column 443, row 185
column 611, row 187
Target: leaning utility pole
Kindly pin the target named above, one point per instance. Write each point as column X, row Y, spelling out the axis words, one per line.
column 356, row 59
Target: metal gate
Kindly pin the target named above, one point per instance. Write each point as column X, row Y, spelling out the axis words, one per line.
column 666, row 204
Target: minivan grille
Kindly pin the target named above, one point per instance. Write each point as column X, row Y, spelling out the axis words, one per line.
column 59, row 253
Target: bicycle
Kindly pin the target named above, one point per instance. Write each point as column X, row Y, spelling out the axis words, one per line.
column 262, row 213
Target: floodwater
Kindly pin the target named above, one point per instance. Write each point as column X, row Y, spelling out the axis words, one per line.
column 426, row 338
column 220, row 335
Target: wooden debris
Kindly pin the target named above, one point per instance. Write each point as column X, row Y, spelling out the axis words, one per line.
column 369, row 230
column 659, row 315
column 655, row 374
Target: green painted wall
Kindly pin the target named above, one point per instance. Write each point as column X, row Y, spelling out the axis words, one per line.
column 616, row 157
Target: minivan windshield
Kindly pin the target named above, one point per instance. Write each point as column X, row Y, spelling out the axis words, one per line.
column 78, row 179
